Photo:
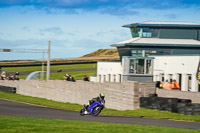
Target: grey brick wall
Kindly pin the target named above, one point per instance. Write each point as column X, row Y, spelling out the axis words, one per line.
column 120, row 96
column 143, row 89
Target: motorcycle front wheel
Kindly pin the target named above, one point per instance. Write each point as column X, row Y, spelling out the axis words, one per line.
column 82, row 112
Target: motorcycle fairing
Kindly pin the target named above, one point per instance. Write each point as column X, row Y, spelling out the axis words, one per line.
column 95, row 104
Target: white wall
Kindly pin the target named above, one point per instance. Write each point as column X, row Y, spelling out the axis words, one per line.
column 175, row 64
column 172, row 67
column 109, row 67
column 162, row 64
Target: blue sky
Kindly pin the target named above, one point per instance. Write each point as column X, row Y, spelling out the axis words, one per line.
column 78, row 27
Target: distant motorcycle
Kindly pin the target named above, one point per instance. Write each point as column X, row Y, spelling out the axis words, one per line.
column 94, row 109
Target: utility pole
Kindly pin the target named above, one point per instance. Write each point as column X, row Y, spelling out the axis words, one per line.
column 42, row 74
column 48, row 61
column 43, row 51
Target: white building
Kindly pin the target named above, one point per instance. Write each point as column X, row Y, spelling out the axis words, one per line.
column 157, row 51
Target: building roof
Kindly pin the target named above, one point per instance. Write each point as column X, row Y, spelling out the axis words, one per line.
column 138, row 41
column 164, row 24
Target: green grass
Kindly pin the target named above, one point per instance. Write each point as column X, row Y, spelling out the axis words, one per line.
column 11, row 124
column 54, row 67
column 147, row 113
column 40, row 101
column 78, row 75
column 23, row 76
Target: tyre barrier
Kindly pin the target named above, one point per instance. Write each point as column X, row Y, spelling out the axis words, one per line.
column 8, row 89
column 175, row 105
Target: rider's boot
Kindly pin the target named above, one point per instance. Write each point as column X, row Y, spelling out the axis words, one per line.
column 87, row 108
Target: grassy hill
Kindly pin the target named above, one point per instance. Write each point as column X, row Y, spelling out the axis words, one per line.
column 103, row 53
column 99, row 55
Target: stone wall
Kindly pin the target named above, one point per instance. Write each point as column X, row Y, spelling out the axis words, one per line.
column 143, row 89
column 194, row 96
column 121, row 96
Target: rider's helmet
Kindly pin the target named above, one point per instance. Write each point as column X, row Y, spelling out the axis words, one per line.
column 101, row 95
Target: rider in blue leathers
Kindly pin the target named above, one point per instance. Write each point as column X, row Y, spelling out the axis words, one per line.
column 96, row 99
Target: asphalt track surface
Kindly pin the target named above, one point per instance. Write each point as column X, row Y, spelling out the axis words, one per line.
column 10, row 108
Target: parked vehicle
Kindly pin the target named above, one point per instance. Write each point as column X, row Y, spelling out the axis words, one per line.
column 94, row 109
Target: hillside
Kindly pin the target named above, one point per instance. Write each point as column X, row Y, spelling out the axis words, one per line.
column 103, row 53
column 99, row 55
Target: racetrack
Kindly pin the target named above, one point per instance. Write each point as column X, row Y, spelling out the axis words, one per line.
column 11, row 108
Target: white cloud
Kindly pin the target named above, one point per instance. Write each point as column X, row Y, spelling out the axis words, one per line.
column 74, row 35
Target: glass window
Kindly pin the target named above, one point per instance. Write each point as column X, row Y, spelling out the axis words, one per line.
column 146, row 34
column 163, row 52
column 146, row 53
column 140, row 66
column 141, row 32
column 132, row 66
column 149, row 68
column 167, row 52
column 150, row 52
column 134, row 32
column 134, row 53
column 138, row 53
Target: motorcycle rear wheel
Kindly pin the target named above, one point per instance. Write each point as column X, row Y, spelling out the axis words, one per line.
column 96, row 111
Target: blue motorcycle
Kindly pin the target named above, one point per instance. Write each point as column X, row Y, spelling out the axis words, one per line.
column 94, row 109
